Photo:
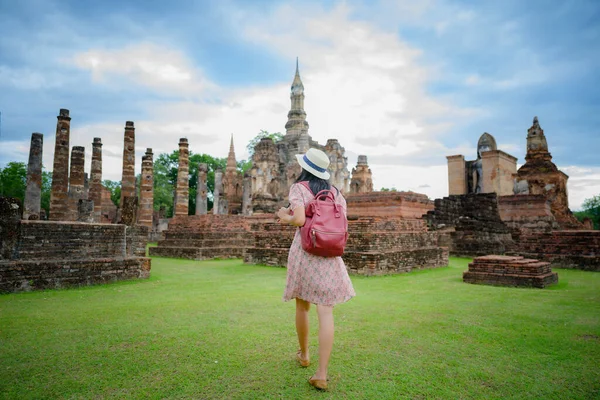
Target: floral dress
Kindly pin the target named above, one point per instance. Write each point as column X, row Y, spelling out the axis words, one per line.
column 318, row 280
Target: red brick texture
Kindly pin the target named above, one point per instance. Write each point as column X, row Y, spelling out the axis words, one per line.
column 53, row 254
column 510, row 271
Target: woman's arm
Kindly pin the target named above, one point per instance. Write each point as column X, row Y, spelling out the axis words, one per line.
column 296, row 219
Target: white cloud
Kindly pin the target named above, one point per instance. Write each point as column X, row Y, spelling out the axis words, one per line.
column 583, row 183
column 147, row 64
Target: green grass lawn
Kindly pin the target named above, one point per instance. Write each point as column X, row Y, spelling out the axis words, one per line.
column 218, row 329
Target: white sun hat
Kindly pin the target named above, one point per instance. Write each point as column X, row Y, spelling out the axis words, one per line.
column 314, row 161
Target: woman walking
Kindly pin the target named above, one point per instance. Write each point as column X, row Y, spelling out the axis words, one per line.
column 312, row 279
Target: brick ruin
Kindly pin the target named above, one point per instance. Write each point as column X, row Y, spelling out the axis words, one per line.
column 232, row 183
column 362, row 178
column 182, row 190
column 33, row 189
column 147, row 190
column 510, row 271
column 95, row 193
column 376, row 245
column 60, row 171
column 540, row 176
column 470, row 225
column 200, row 237
column 535, row 213
column 492, row 172
column 72, row 248
column 201, row 190
column 56, row 254
column 274, row 166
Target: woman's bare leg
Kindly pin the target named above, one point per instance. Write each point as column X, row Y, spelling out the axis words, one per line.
column 302, row 308
column 326, row 329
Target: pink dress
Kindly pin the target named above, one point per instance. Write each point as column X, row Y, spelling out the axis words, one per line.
column 318, row 280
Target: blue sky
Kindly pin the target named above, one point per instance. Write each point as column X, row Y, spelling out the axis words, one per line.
column 406, row 84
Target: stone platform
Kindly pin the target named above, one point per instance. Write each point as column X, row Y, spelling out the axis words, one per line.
column 376, row 246
column 576, row 249
column 510, row 271
column 56, row 254
column 470, row 225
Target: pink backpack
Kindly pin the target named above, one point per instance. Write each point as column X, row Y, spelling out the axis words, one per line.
column 325, row 231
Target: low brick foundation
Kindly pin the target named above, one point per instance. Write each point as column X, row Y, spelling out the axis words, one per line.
column 201, row 237
column 563, row 249
column 510, row 271
column 470, row 225
column 55, row 254
column 376, row 246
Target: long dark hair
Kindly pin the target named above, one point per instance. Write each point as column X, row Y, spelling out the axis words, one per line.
column 315, row 183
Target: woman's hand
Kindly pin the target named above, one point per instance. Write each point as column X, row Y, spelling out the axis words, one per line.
column 284, row 215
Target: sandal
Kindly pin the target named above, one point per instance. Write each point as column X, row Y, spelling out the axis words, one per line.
column 320, row 384
column 303, row 362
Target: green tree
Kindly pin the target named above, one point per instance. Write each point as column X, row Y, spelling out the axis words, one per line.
column 388, row 189
column 276, row 136
column 165, row 179
column 13, row 179
column 46, row 190
column 591, row 210
column 115, row 190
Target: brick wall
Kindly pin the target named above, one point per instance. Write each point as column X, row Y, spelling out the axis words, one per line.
column 510, row 271
column 470, row 225
column 53, row 254
column 375, row 245
column 388, row 204
column 201, row 237
column 576, row 249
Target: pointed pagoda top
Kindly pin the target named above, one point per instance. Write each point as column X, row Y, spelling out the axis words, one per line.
column 231, row 163
column 297, row 86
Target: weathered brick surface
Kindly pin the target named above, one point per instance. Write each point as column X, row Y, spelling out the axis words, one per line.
column 60, row 172
column 388, row 204
column 49, row 254
column 183, row 176
column 147, row 190
column 510, row 271
column 470, row 224
column 96, row 187
column 207, row 236
column 375, row 245
column 10, row 225
column 576, row 249
column 128, row 176
column 33, row 191
column 20, row 276
column 76, row 182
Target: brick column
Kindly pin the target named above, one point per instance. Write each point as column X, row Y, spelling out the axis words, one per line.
column 218, row 190
column 33, row 191
column 76, row 181
column 60, row 171
column 128, row 177
column 247, row 195
column 147, row 190
column 183, row 176
column 201, row 189
column 96, row 178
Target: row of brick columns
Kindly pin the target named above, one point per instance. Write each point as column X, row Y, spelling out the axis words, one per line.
column 70, row 199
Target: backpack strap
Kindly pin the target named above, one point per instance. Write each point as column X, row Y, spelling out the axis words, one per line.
column 306, row 185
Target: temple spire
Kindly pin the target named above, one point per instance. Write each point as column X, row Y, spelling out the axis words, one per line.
column 297, row 86
column 296, row 124
column 231, row 163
